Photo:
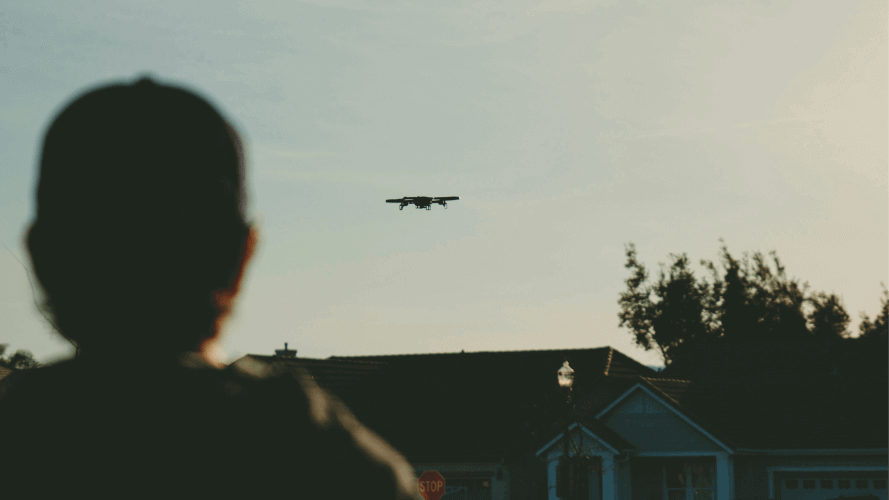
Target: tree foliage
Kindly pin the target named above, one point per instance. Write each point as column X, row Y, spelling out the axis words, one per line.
column 746, row 298
column 669, row 312
column 828, row 318
column 879, row 327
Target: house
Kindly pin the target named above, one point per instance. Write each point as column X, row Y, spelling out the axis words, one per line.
column 741, row 422
column 750, row 420
column 476, row 417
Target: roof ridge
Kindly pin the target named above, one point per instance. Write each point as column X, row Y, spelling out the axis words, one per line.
column 330, row 358
column 608, row 360
column 355, row 362
column 464, row 352
column 666, row 379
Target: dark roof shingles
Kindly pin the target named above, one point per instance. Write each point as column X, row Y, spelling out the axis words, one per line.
column 473, row 403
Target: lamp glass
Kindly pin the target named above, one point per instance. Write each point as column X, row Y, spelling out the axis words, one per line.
column 566, row 376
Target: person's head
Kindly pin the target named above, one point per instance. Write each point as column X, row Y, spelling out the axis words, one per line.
column 140, row 233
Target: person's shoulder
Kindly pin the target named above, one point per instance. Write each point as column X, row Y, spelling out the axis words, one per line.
column 338, row 440
column 256, row 368
column 269, row 377
column 324, row 410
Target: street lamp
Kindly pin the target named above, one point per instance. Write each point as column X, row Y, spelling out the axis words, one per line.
column 566, row 376
column 566, row 380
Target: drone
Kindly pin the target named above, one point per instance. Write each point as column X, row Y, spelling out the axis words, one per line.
column 423, row 201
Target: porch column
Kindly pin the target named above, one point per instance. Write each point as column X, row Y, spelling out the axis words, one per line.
column 594, row 479
column 725, row 477
column 609, row 478
column 551, row 471
column 500, row 487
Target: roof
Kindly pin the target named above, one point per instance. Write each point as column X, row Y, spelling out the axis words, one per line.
column 779, row 395
column 670, row 391
column 750, row 396
column 332, row 374
column 605, row 433
column 463, row 405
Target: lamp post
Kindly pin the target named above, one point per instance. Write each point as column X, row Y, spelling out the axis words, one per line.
column 566, row 381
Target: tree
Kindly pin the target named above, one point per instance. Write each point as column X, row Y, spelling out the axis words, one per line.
column 828, row 318
column 678, row 317
column 755, row 301
column 667, row 314
column 879, row 328
column 747, row 298
column 635, row 303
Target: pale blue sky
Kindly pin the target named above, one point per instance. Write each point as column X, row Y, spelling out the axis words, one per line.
column 567, row 127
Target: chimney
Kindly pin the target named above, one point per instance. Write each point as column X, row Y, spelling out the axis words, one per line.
column 285, row 353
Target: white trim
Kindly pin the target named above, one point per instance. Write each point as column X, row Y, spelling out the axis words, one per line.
column 688, row 487
column 687, row 420
column 817, row 468
column 602, row 442
column 571, row 428
column 551, row 480
column 834, row 451
column 678, row 453
column 725, row 477
column 609, row 478
column 547, row 445
column 556, row 439
column 618, row 400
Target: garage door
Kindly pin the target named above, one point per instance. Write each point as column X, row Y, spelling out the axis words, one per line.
column 832, row 486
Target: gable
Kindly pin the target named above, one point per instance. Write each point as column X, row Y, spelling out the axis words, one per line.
column 653, row 427
column 586, row 440
column 589, row 442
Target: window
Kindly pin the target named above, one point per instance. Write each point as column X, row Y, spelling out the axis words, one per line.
column 814, row 485
column 688, row 480
column 467, row 489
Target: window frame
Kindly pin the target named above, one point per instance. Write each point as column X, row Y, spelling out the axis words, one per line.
column 687, row 466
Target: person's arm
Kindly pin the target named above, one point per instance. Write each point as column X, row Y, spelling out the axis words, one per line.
column 366, row 460
column 335, row 454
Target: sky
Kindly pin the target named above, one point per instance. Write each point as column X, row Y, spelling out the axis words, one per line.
column 568, row 128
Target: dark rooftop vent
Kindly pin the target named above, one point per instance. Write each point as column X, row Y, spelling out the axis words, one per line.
column 286, row 353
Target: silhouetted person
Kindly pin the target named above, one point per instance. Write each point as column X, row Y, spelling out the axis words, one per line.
column 140, row 243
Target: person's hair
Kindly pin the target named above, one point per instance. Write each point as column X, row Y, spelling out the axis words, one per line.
column 139, row 218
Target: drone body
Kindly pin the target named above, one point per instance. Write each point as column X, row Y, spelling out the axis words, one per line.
column 423, row 201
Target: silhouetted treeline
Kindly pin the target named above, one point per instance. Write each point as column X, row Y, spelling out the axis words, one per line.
column 743, row 299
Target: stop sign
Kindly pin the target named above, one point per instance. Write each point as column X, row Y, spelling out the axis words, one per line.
column 432, row 485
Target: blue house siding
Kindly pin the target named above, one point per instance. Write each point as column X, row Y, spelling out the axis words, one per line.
column 652, row 427
column 758, row 477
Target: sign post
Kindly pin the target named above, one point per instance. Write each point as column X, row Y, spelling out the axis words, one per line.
column 432, row 485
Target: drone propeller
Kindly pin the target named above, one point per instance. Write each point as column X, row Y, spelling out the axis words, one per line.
column 422, row 201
